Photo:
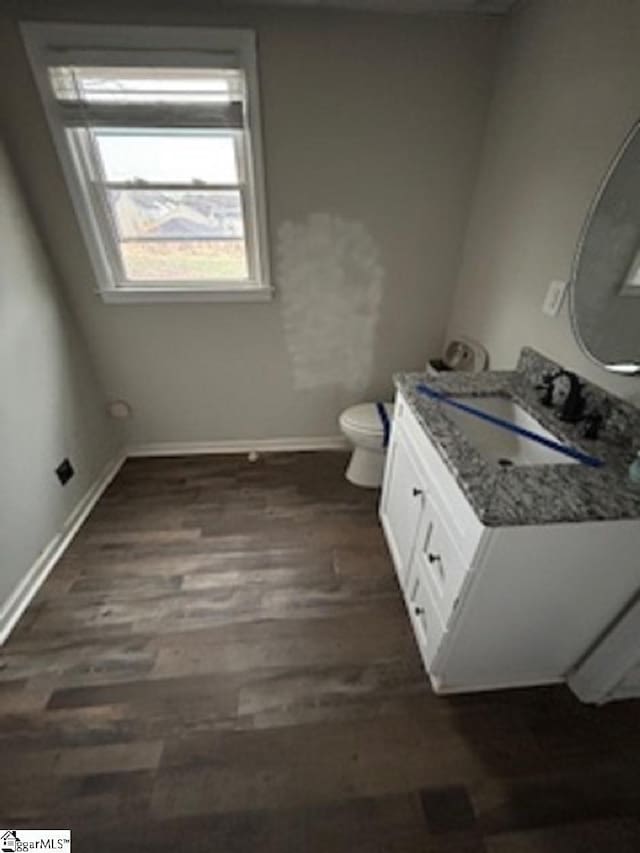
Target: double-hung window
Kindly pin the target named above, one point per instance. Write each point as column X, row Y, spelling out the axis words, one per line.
column 158, row 132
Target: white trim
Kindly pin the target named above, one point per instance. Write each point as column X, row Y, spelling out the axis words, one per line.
column 521, row 684
column 598, row 675
column 54, row 37
column 243, row 445
column 21, row 597
column 141, row 295
column 626, row 368
column 630, row 288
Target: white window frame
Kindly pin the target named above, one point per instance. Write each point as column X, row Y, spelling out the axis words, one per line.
column 189, row 47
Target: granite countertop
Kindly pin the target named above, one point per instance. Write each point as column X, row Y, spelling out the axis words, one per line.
column 532, row 494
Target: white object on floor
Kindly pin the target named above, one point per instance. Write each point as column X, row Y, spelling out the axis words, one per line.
column 363, row 427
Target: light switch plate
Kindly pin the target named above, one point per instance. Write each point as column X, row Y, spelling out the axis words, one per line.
column 554, row 297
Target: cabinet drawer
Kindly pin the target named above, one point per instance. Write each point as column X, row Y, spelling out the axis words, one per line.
column 438, row 559
column 426, row 623
column 447, row 496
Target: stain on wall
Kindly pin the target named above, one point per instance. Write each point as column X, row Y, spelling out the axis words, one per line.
column 331, row 283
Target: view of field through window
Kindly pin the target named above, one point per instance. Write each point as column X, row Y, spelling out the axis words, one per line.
column 180, row 234
column 185, row 261
column 176, row 202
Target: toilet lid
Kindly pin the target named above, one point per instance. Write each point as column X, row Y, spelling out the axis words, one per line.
column 365, row 417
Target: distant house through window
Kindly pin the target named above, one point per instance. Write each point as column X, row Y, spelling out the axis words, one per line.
column 158, row 132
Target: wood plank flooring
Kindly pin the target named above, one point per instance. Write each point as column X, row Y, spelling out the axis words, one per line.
column 222, row 662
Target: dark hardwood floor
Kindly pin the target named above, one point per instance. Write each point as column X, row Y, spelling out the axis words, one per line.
column 222, row 662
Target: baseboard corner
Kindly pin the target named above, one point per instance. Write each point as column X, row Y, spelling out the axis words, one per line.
column 18, row 601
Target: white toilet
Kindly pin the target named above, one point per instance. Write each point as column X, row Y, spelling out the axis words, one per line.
column 364, row 426
column 367, row 430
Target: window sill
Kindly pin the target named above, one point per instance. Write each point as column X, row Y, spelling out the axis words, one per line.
column 133, row 295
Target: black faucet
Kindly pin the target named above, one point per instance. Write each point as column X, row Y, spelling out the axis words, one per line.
column 594, row 421
column 572, row 408
column 546, row 385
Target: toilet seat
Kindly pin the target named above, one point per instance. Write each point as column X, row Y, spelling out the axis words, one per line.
column 365, row 418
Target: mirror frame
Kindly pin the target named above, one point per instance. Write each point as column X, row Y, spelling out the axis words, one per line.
column 623, row 368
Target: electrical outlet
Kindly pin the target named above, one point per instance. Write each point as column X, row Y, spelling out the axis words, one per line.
column 65, row 471
column 554, row 297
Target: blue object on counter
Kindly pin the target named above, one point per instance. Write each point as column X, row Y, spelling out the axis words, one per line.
column 592, row 461
column 386, row 425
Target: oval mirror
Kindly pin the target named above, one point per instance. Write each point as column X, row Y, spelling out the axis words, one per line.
column 605, row 278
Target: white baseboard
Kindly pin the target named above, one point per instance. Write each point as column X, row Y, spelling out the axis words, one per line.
column 515, row 684
column 16, row 604
column 258, row 445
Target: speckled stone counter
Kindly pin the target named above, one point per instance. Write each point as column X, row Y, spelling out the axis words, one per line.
column 533, row 494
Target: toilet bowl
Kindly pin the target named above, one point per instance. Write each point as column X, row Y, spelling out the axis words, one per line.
column 364, row 427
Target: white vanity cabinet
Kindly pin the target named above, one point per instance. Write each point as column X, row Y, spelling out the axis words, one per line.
column 495, row 606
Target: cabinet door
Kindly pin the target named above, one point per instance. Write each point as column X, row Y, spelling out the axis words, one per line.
column 402, row 502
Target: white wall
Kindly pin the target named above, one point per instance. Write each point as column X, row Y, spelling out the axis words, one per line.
column 375, row 119
column 51, row 404
column 567, row 92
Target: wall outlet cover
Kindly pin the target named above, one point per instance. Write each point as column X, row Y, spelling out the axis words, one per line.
column 64, row 471
column 554, row 297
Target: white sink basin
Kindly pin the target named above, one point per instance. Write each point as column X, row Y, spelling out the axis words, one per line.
column 502, row 446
